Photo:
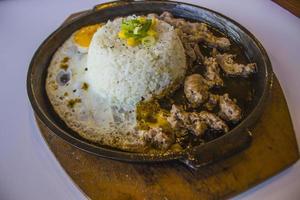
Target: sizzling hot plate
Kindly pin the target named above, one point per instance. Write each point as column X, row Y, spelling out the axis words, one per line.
column 235, row 140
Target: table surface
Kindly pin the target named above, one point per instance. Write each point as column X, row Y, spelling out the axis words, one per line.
column 292, row 5
column 28, row 169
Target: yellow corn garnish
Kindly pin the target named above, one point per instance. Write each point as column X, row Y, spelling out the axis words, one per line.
column 153, row 22
column 152, row 33
column 138, row 30
column 142, row 19
column 122, row 35
column 131, row 42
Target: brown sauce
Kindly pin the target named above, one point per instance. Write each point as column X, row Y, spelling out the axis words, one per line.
column 239, row 88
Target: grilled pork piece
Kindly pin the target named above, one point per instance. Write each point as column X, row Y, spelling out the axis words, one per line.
column 197, row 123
column 195, row 31
column 196, row 89
column 191, row 33
column 182, row 122
column 228, row 65
column 213, row 121
column 158, row 138
column 212, row 101
column 229, row 110
column 212, row 74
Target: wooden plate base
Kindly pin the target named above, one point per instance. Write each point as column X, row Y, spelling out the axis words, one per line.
column 273, row 149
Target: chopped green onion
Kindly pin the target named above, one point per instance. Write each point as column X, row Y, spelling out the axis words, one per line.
column 146, row 26
column 148, row 40
column 138, row 29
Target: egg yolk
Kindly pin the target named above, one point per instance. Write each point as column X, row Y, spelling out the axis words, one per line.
column 84, row 35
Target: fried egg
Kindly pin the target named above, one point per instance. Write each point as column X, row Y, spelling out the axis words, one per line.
column 89, row 114
column 82, row 38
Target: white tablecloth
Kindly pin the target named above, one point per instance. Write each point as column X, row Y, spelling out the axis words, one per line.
column 28, row 169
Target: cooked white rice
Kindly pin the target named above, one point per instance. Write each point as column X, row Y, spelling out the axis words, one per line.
column 127, row 74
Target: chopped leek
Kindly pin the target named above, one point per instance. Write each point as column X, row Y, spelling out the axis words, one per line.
column 148, row 41
column 138, row 30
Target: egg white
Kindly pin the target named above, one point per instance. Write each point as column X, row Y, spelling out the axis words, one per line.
column 92, row 115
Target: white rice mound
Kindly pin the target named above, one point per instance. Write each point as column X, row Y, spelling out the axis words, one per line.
column 126, row 75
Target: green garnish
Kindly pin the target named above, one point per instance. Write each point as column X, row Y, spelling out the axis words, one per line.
column 134, row 31
column 148, row 41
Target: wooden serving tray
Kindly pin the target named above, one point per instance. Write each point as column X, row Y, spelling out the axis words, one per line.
column 273, row 149
column 291, row 5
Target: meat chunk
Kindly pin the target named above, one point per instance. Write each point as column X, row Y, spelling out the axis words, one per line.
column 229, row 110
column 191, row 48
column 198, row 53
column 220, row 42
column 213, row 100
column 185, row 26
column 212, row 73
column 190, row 53
column 228, row 65
column 153, row 15
column 182, row 122
column 197, row 126
column 166, row 15
column 191, row 33
column 212, row 40
column 196, row 89
column 214, row 52
column 213, row 121
column 177, row 117
column 158, row 138
column 195, row 32
column 197, row 123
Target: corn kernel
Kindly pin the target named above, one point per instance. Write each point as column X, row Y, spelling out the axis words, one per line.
column 142, row 19
column 122, row 35
column 131, row 42
column 153, row 22
column 151, row 33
